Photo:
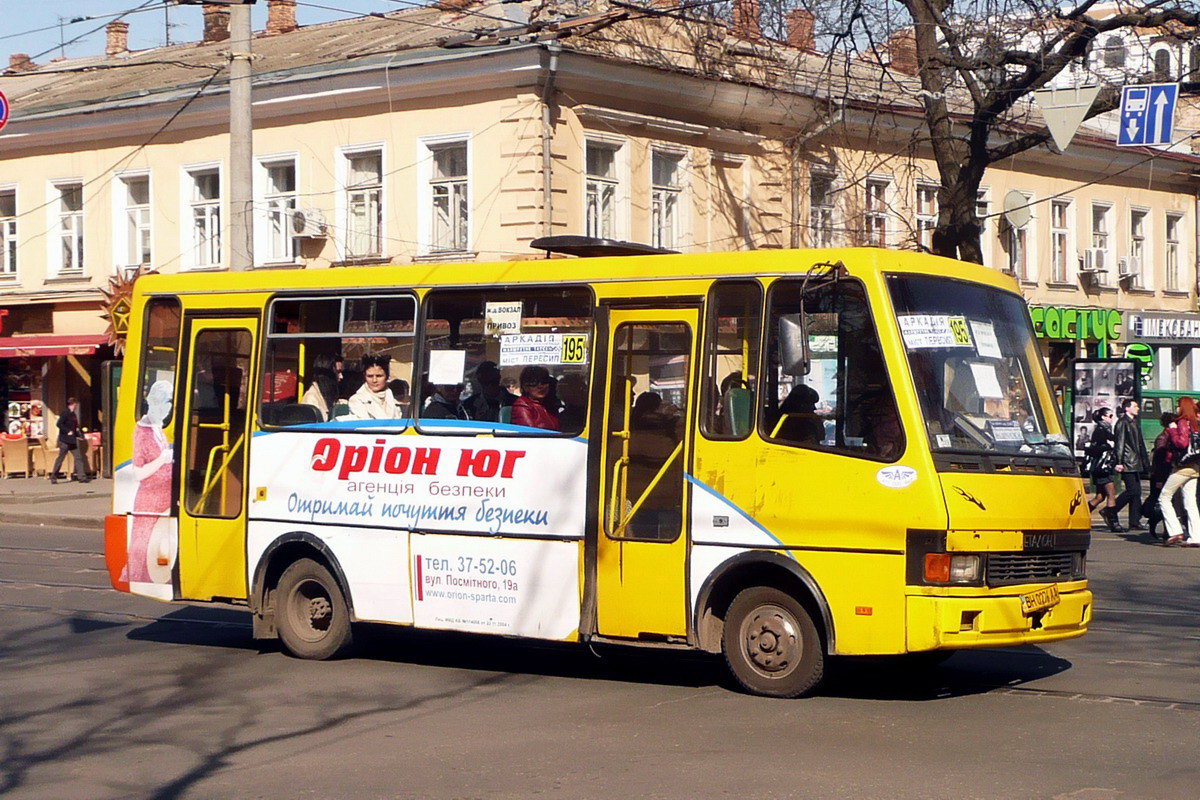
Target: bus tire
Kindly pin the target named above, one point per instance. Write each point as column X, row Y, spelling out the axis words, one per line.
column 311, row 613
column 771, row 644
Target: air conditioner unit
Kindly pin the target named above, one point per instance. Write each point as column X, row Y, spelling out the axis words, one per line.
column 308, row 223
column 1129, row 267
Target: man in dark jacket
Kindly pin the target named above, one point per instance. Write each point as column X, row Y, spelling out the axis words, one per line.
column 1132, row 460
column 68, row 440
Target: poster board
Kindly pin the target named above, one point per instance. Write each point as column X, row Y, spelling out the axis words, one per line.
column 1099, row 383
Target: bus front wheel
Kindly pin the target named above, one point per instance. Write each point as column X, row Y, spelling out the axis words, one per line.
column 771, row 644
column 311, row 612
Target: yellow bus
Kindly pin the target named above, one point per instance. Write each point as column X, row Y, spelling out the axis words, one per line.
column 776, row 455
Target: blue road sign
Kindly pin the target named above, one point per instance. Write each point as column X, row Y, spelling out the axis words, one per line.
column 1148, row 114
column 3, row 110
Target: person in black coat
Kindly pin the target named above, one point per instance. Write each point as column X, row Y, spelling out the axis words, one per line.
column 68, row 440
column 1099, row 455
column 1132, row 461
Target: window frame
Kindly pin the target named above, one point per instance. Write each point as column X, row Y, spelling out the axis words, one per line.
column 9, row 243
column 1141, row 242
column 1172, row 251
column 1107, row 234
column 344, row 155
column 267, row 337
column 124, row 227
column 58, row 215
column 823, row 230
column 1064, row 231
column 142, row 388
column 983, row 202
column 426, row 147
column 705, row 384
column 880, row 216
column 191, row 247
column 765, row 369
column 420, row 360
column 671, row 196
column 266, row 239
column 926, row 219
column 615, row 183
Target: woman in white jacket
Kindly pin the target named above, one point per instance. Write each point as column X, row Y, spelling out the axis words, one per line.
column 374, row 400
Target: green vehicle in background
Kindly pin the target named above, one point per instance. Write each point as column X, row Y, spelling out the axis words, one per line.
column 1154, row 403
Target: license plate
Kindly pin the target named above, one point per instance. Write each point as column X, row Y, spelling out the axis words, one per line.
column 1040, row 600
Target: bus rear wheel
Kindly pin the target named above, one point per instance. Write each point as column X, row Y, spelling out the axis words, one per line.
column 311, row 612
column 771, row 644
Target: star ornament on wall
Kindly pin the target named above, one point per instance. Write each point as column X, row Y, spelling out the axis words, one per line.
column 118, row 305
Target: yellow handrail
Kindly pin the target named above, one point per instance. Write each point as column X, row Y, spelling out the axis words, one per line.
column 211, row 479
column 662, row 471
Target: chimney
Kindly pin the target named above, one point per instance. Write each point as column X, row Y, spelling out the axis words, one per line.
column 745, row 19
column 281, row 16
column 800, row 24
column 216, row 23
column 118, row 39
column 902, row 51
column 21, row 62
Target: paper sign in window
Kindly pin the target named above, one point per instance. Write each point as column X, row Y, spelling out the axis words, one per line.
column 987, row 383
column 986, row 343
column 502, row 318
column 446, row 366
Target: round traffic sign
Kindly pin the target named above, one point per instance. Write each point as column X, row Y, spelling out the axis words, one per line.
column 3, row 111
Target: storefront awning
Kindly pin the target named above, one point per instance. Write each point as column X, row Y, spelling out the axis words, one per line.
column 50, row 344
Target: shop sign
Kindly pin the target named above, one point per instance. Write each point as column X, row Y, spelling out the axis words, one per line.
column 1085, row 324
column 1143, row 354
column 1181, row 328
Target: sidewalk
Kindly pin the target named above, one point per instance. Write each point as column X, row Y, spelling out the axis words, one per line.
column 67, row 504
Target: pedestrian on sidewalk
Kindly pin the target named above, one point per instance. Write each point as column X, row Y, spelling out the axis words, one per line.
column 1099, row 456
column 1185, row 440
column 68, row 441
column 1162, row 458
column 1132, row 461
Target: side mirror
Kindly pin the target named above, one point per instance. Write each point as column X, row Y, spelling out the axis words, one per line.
column 793, row 345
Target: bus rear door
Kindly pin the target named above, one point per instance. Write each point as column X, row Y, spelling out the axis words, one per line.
column 642, row 547
column 214, row 440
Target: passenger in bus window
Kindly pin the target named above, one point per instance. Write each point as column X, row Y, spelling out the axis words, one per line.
column 443, row 403
column 572, row 391
column 322, row 392
column 801, row 423
column 374, row 399
column 489, row 396
column 400, row 392
column 532, row 408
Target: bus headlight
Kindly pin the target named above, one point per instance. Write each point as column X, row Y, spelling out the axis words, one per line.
column 951, row 568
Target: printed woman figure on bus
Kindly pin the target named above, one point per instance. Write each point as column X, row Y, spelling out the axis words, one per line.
column 374, row 400
column 151, row 546
column 532, row 408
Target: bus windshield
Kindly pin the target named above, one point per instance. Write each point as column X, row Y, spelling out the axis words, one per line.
column 976, row 367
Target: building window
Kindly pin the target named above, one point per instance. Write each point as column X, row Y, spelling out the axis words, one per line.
column 137, row 221
column 820, row 209
column 1060, row 240
column 1162, row 65
column 1114, row 52
column 601, row 190
column 364, row 204
column 927, row 212
column 205, row 205
column 8, row 234
column 1020, row 264
column 982, row 215
column 664, row 199
column 876, row 216
column 1174, row 223
column 70, row 227
column 1097, row 258
column 280, row 199
column 449, row 197
column 1136, row 261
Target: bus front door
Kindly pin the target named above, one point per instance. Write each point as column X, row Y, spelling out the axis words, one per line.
column 641, row 554
column 214, row 439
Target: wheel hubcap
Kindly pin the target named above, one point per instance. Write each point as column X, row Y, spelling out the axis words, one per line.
column 771, row 641
column 311, row 609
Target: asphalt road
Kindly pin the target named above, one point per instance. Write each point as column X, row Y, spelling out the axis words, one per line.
column 103, row 695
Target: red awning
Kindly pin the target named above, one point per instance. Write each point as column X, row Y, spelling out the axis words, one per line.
column 50, row 344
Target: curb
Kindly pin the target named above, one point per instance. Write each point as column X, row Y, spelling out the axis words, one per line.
column 59, row 520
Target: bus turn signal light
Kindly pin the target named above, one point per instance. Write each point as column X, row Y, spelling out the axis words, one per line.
column 947, row 568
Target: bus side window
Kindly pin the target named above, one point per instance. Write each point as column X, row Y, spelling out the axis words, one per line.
column 845, row 402
column 160, row 346
column 319, row 350
column 514, row 361
column 732, row 343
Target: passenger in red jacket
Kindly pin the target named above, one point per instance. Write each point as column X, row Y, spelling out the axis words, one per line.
column 531, row 409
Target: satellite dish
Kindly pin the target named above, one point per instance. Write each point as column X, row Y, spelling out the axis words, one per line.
column 1016, row 209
